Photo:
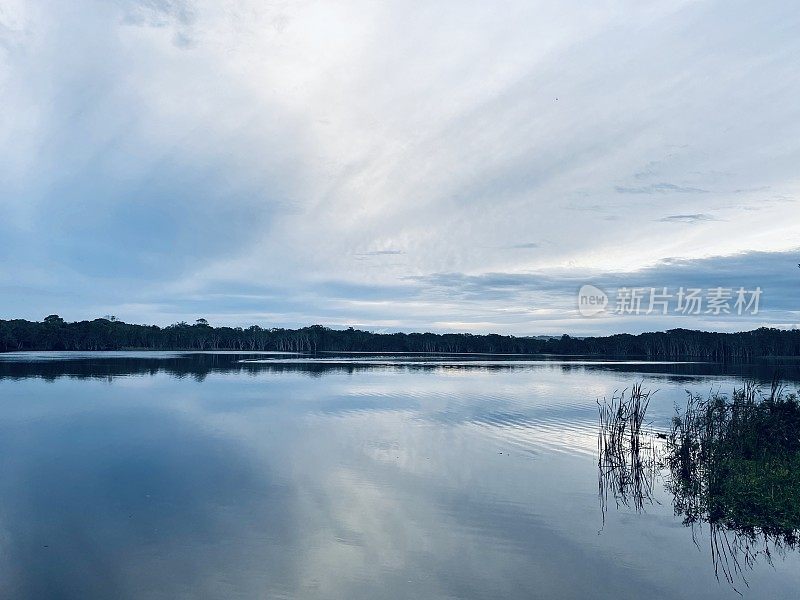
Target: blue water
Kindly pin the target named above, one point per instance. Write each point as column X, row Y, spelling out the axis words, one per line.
column 169, row 475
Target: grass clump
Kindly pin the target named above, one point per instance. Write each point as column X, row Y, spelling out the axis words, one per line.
column 737, row 462
column 627, row 455
column 735, row 465
column 732, row 464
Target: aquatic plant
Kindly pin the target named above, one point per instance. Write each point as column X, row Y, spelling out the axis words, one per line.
column 732, row 464
column 628, row 458
column 735, row 464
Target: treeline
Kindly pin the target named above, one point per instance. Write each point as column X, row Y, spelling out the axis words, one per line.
column 53, row 333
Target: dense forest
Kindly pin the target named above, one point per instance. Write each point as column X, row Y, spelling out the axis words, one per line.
column 53, row 333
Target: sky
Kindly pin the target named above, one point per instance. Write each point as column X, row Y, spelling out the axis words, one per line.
column 401, row 165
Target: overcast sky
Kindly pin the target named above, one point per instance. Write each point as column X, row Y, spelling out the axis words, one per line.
column 397, row 165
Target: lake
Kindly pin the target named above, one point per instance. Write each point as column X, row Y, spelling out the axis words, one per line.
column 221, row 475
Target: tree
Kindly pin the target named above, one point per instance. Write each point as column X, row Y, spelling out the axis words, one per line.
column 102, row 334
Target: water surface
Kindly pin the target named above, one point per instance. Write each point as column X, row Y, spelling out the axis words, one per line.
column 223, row 475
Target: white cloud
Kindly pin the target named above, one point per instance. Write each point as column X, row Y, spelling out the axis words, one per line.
column 158, row 150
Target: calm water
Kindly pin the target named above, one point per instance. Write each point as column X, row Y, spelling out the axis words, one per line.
column 144, row 475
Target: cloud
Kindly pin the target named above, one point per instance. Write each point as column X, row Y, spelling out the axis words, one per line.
column 525, row 246
column 695, row 218
column 312, row 161
column 381, row 253
column 660, row 188
column 177, row 15
column 774, row 273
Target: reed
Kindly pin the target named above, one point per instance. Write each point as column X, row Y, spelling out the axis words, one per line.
column 735, row 465
column 628, row 458
column 732, row 464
